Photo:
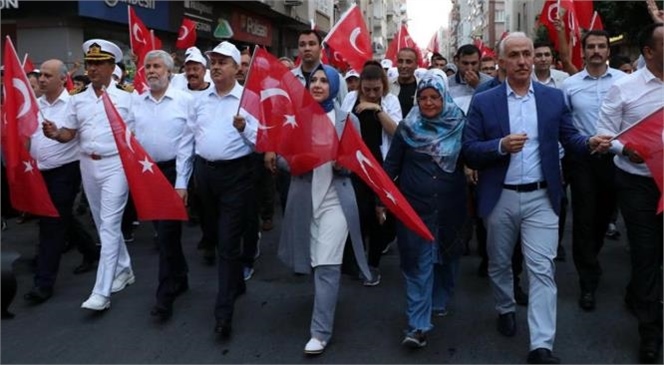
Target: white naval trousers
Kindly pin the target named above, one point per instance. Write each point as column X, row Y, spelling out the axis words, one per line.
column 106, row 188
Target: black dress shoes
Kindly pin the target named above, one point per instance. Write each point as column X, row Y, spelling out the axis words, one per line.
column 649, row 351
column 38, row 295
column 542, row 356
column 161, row 311
column 587, row 301
column 507, row 324
column 223, row 328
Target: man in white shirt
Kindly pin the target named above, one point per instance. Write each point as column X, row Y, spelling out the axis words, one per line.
column 58, row 163
column 224, row 139
column 628, row 101
column 542, row 71
column 103, row 177
column 591, row 176
column 184, row 80
column 161, row 118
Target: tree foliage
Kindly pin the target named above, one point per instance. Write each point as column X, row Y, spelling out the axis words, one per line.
column 623, row 17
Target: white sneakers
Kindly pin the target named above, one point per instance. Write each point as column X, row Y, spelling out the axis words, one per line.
column 314, row 347
column 121, row 281
column 97, row 302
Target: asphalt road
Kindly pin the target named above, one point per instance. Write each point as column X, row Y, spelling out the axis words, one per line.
column 271, row 323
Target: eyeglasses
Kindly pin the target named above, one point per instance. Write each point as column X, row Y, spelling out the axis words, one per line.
column 424, row 99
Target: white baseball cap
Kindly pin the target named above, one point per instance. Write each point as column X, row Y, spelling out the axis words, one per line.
column 196, row 57
column 226, row 48
column 392, row 73
column 117, row 72
column 351, row 73
column 386, row 63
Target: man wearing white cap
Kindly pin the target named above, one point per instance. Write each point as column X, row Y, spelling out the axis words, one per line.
column 117, row 74
column 224, row 138
column 197, row 76
column 352, row 80
column 161, row 118
column 386, row 64
column 103, row 178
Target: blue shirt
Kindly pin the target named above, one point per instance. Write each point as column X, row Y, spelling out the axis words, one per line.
column 584, row 94
column 526, row 166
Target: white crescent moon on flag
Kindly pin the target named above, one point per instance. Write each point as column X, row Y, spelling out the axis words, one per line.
column 353, row 38
column 185, row 33
column 268, row 93
column 23, row 89
column 550, row 12
column 128, row 139
column 362, row 159
column 136, row 30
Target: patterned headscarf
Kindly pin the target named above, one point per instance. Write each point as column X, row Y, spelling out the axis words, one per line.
column 440, row 136
column 333, row 79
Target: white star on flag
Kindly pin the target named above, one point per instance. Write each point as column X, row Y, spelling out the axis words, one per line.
column 290, row 120
column 389, row 195
column 147, row 165
column 28, row 166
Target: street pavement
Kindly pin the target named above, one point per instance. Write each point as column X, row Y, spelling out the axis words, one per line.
column 271, row 323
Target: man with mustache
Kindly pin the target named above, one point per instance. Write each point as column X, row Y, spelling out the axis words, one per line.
column 591, row 177
column 194, row 77
column 161, row 116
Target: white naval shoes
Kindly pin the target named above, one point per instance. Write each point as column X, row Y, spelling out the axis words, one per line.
column 97, row 302
column 121, row 281
column 314, row 347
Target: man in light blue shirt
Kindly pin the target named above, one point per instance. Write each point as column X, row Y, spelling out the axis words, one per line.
column 591, row 176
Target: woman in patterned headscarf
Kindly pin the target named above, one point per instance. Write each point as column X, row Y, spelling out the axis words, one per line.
column 424, row 156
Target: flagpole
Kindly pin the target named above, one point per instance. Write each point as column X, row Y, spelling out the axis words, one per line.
column 592, row 21
column 246, row 78
column 25, row 58
column 131, row 35
column 152, row 38
column 637, row 123
column 558, row 10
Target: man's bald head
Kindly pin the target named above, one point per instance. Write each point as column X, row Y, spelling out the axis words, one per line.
column 52, row 78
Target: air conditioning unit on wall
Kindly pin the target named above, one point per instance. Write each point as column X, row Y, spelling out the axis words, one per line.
column 293, row 2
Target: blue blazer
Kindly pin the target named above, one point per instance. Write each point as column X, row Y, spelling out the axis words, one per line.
column 488, row 122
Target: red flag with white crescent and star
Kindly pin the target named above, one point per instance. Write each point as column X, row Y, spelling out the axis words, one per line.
column 350, row 38
column 292, row 123
column 154, row 197
column 187, row 34
column 140, row 39
column 28, row 192
column 355, row 156
column 403, row 40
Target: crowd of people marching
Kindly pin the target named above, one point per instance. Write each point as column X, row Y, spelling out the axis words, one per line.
column 492, row 143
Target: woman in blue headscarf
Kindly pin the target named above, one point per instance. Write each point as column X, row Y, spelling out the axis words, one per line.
column 424, row 156
column 321, row 211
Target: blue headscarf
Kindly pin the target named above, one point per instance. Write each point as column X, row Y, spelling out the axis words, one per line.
column 333, row 79
column 440, row 136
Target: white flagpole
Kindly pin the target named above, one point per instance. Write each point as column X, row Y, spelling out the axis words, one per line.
column 592, row 22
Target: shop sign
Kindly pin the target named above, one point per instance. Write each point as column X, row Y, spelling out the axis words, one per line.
column 251, row 28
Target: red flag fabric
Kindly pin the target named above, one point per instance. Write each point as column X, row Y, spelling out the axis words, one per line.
column 403, row 40
column 350, row 38
column 27, row 189
column 596, row 22
column 69, row 84
column 28, row 66
column 292, row 123
column 139, row 36
column 140, row 81
column 572, row 27
column 154, row 197
column 156, row 42
column 434, row 44
column 484, row 50
column 187, row 34
column 646, row 137
column 355, row 156
column 334, row 59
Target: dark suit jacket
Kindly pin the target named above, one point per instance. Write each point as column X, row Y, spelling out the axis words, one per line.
column 488, row 122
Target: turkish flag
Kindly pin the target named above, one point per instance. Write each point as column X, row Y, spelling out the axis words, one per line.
column 646, row 137
column 154, row 197
column 69, row 84
column 140, row 81
column 140, row 38
column 355, row 156
column 292, row 123
column 334, row 59
column 156, row 42
column 27, row 189
column 596, row 22
column 187, row 34
column 434, row 44
column 484, row 50
column 350, row 38
column 28, row 66
column 572, row 25
column 403, row 40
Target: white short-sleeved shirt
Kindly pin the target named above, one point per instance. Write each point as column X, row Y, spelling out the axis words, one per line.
column 49, row 153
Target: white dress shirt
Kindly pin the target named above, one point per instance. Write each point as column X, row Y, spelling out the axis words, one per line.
column 629, row 100
column 584, row 94
column 86, row 114
column 390, row 105
column 215, row 137
column 161, row 127
column 50, row 153
column 180, row 82
column 196, row 93
column 526, row 166
column 555, row 79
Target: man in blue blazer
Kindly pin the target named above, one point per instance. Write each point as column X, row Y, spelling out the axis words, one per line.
column 511, row 138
